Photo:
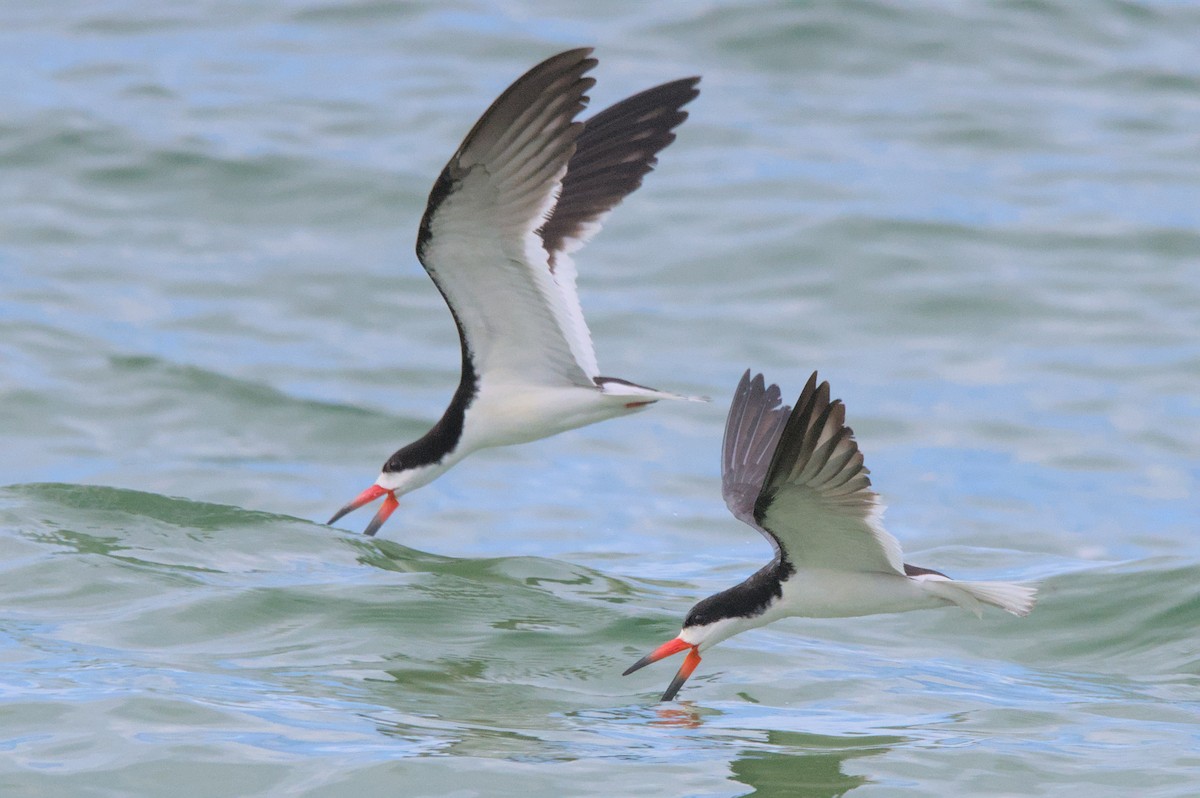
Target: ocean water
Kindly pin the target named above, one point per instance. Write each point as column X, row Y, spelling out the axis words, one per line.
column 979, row 221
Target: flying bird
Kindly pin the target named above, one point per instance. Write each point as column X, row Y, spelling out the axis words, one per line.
column 797, row 476
column 528, row 186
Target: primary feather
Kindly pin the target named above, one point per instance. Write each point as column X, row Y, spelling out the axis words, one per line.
column 816, row 500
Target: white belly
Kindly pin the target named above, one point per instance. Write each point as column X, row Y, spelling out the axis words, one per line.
column 843, row 594
column 508, row 414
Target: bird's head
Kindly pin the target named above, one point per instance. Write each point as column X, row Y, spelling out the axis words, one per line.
column 390, row 484
column 703, row 628
column 409, row 468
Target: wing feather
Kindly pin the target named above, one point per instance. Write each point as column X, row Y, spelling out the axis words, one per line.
column 816, row 498
column 478, row 239
column 752, row 429
column 528, row 186
column 616, row 149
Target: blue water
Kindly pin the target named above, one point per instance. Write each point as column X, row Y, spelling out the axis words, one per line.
column 978, row 222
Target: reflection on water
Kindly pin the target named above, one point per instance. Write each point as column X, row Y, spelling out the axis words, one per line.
column 795, row 765
column 681, row 714
column 786, row 763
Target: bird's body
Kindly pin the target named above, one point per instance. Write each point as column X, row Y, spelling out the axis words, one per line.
column 504, row 414
column 528, row 186
column 512, row 411
column 797, row 476
column 829, row 593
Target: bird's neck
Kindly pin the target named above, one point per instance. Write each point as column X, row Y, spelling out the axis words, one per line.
column 746, row 602
column 444, row 437
column 753, row 597
column 742, row 607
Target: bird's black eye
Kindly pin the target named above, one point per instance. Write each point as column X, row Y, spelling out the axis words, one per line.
column 699, row 615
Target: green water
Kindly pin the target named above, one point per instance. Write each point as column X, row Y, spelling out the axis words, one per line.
column 979, row 221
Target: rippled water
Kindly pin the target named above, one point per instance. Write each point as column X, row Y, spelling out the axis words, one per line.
column 980, row 223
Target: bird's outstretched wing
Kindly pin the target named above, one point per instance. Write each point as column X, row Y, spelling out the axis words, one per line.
column 752, row 429
column 617, row 148
column 816, row 500
column 528, row 186
column 478, row 238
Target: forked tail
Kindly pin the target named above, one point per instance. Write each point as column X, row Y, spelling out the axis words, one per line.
column 1008, row 596
column 619, row 387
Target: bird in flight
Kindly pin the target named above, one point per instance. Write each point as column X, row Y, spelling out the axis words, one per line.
column 528, row 186
column 797, row 476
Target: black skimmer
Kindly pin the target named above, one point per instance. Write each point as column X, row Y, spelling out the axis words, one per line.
column 797, row 476
column 528, row 186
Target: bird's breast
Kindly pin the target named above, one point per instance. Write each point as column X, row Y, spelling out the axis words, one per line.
column 504, row 414
column 821, row 593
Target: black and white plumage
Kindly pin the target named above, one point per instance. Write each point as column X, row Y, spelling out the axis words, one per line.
column 528, row 186
column 797, row 476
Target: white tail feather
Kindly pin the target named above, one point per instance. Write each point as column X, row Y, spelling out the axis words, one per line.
column 1008, row 596
column 622, row 388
